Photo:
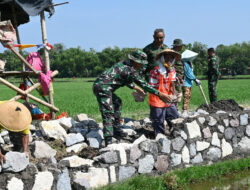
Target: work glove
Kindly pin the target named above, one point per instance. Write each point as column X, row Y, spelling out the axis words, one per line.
column 197, row 82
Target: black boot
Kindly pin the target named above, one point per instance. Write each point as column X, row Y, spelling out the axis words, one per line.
column 118, row 132
column 108, row 140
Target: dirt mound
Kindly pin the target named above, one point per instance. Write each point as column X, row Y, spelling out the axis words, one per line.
column 224, row 105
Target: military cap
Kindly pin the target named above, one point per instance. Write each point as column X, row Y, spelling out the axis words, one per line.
column 138, row 56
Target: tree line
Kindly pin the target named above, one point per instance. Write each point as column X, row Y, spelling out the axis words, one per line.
column 77, row 62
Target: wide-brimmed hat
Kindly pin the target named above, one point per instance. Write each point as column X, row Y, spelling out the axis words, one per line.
column 138, row 56
column 176, row 55
column 14, row 116
column 177, row 42
column 188, row 55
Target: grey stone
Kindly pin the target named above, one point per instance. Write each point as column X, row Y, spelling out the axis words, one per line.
column 234, row 123
column 221, row 128
column 214, row 154
column 201, row 120
column 66, row 123
column 161, row 164
column 92, row 123
column 240, row 131
column 207, row 133
column 112, row 174
column 63, row 182
column 75, row 161
column 147, row 121
column 15, row 162
column 212, row 121
column 42, row 150
column 226, row 148
column 139, row 140
column 73, row 138
column 177, row 121
column 197, row 159
column 166, row 145
column 221, row 112
column 76, row 148
column 226, row 122
column 52, row 160
column 185, row 155
column 244, row 119
column 244, row 144
column 146, row 164
column 130, row 124
column 201, row 111
column 94, row 143
column 183, row 135
column 135, row 153
column 215, row 140
column 235, row 142
column 192, row 149
column 175, row 159
column 81, row 183
column 229, row 133
column 193, row 130
column 149, row 146
column 107, row 157
column 15, row 184
column 44, row 181
column 126, row 172
column 160, row 136
column 95, row 138
column 178, row 143
column 7, row 139
column 82, row 118
column 248, row 130
column 202, row 145
column 79, row 129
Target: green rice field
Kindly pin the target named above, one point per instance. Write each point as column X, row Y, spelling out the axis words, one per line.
column 76, row 96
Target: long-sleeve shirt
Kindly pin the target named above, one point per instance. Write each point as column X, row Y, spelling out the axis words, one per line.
column 188, row 74
column 213, row 68
column 123, row 74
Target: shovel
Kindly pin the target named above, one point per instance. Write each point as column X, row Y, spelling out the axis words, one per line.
column 203, row 94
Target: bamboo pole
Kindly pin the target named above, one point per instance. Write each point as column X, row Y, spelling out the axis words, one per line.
column 33, row 87
column 46, row 55
column 52, row 107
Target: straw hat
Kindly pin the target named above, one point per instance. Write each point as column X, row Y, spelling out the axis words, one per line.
column 176, row 55
column 14, row 116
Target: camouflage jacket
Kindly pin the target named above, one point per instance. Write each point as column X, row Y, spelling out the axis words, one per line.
column 123, row 74
column 151, row 50
column 213, row 68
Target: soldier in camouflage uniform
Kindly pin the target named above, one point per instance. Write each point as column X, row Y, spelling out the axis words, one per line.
column 153, row 49
column 121, row 74
column 179, row 68
column 213, row 74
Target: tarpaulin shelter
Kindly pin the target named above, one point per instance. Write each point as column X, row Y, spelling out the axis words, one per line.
column 17, row 12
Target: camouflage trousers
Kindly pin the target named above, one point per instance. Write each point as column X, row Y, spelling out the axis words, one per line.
column 186, row 97
column 212, row 90
column 110, row 106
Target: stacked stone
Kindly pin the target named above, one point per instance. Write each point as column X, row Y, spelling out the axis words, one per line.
column 198, row 139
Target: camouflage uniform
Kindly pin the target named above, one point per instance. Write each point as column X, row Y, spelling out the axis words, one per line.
column 179, row 75
column 213, row 76
column 152, row 50
column 110, row 104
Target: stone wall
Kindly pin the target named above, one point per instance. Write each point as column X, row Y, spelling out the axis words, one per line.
column 200, row 139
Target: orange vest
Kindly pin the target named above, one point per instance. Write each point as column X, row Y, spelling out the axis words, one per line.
column 154, row 100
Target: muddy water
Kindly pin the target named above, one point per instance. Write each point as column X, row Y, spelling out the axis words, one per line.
column 239, row 181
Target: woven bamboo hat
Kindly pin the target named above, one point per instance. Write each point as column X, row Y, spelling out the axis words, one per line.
column 176, row 55
column 14, row 116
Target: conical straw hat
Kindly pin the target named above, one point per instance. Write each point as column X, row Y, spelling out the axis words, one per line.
column 14, row 116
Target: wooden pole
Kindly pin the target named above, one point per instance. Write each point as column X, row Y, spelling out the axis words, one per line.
column 46, row 55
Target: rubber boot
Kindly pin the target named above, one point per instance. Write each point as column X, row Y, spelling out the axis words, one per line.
column 119, row 132
column 108, row 140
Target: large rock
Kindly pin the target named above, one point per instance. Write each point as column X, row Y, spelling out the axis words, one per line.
column 66, row 123
column 82, row 118
column 15, row 184
column 161, row 164
column 126, row 172
column 244, row 119
column 234, row 123
column 202, row 145
column 175, row 159
column 166, row 145
column 207, row 133
column 75, row 161
column 248, row 130
column 214, row 154
column 215, row 140
column 226, row 122
column 229, row 133
column 192, row 149
column 73, row 138
column 244, row 144
column 94, row 138
column 95, row 177
column 42, row 150
column 43, row 181
column 226, row 148
column 221, row 128
column 178, row 143
column 139, row 140
column 76, row 148
column 112, row 174
column 197, row 159
column 212, row 121
column 121, row 148
column 185, row 155
column 146, row 164
column 63, row 182
column 149, row 146
column 135, row 153
column 52, row 129
column 107, row 157
column 15, row 162
column 201, row 120
column 193, row 130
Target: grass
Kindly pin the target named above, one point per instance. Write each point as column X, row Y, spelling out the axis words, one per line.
column 76, row 96
column 180, row 179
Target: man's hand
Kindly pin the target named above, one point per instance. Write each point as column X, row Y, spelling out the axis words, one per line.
column 165, row 97
column 2, row 158
column 198, row 82
column 139, row 90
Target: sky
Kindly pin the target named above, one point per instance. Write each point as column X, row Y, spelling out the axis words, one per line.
column 99, row 24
